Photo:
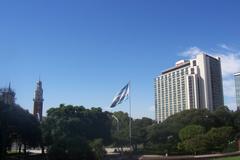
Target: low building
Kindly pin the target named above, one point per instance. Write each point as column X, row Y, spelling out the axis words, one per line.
column 7, row 95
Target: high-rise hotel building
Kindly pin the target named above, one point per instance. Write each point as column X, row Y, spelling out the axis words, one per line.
column 194, row 83
column 237, row 88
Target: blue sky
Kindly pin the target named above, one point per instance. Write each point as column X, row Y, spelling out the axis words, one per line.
column 86, row 51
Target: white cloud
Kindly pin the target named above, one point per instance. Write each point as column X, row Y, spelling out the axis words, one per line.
column 230, row 61
column 227, row 48
column 192, row 52
column 228, row 87
column 152, row 108
column 224, row 46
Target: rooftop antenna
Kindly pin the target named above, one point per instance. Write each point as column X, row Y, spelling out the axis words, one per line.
column 39, row 77
column 9, row 86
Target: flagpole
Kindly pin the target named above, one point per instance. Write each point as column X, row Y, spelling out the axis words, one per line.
column 121, row 96
column 130, row 121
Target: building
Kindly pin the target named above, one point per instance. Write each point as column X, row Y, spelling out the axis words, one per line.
column 237, row 89
column 195, row 83
column 7, row 95
column 38, row 101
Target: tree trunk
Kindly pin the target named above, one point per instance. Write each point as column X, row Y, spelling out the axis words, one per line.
column 42, row 147
column 3, row 145
column 238, row 142
column 4, row 152
column 19, row 148
column 43, row 153
column 25, row 149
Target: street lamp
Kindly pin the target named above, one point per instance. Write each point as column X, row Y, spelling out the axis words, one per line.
column 117, row 121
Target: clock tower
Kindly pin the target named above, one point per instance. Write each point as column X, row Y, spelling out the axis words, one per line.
column 38, row 101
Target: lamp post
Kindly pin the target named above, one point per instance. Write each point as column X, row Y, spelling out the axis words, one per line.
column 117, row 121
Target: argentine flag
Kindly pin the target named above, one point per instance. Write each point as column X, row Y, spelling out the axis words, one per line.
column 121, row 96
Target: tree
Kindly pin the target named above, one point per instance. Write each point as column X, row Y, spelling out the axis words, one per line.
column 193, row 139
column 219, row 138
column 18, row 125
column 191, row 131
column 161, row 139
column 165, row 136
column 27, row 128
column 195, row 145
column 3, row 129
column 236, row 120
column 120, row 137
column 224, row 117
column 201, row 117
column 72, row 129
column 98, row 148
column 139, row 131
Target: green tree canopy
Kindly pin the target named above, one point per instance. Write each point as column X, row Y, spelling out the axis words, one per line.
column 69, row 129
column 195, row 145
column 191, row 131
column 18, row 125
column 219, row 138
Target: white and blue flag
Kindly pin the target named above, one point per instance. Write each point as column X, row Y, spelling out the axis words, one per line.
column 121, row 96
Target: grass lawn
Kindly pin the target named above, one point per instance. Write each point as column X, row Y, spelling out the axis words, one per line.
column 229, row 158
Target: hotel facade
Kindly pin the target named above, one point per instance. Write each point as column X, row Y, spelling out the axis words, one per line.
column 194, row 83
column 237, row 88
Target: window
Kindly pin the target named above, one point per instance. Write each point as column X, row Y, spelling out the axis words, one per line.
column 194, row 62
column 192, row 70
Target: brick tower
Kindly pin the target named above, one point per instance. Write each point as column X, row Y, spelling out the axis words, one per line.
column 38, row 101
